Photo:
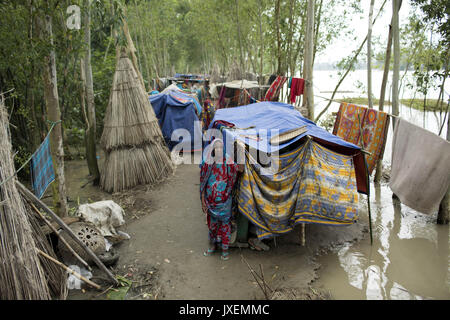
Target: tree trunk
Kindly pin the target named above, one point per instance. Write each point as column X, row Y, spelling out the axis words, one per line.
column 290, row 35
column 444, row 207
column 317, row 28
column 54, row 115
column 238, row 25
column 91, row 150
column 277, row 25
column 308, row 101
column 369, row 56
column 36, row 128
column 349, row 67
column 261, row 49
column 387, row 63
column 396, row 43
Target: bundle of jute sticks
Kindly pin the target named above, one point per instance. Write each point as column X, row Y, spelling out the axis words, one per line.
column 23, row 273
column 132, row 139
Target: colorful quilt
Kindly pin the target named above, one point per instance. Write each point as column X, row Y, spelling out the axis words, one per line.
column 312, row 185
column 355, row 124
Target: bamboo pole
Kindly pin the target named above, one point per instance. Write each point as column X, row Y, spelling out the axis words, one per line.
column 369, row 56
column 379, row 169
column 396, row 46
column 30, row 196
column 62, row 265
column 59, row 236
column 308, row 97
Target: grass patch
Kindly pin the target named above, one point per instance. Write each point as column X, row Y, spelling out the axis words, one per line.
column 432, row 104
column 412, row 103
column 362, row 101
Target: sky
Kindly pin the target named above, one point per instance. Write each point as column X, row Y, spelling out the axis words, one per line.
column 341, row 48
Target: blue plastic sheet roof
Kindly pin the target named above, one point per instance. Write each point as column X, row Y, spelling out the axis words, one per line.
column 176, row 110
column 271, row 115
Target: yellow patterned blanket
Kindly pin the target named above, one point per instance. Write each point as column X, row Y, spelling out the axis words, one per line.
column 311, row 185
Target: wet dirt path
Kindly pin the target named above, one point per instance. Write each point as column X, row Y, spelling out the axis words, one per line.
column 173, row 236
column 410, row 257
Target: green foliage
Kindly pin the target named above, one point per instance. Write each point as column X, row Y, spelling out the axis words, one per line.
column 425, row 50
column 328, row 122
column 120, row 292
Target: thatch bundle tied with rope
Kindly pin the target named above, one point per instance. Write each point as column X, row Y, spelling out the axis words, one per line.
column 134, row 146
column 23, row 274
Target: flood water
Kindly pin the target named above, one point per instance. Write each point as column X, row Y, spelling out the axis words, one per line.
column 409, row 258
column 410, row 255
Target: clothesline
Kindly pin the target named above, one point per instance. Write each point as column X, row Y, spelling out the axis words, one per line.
column 31, row 157
column 337, row 101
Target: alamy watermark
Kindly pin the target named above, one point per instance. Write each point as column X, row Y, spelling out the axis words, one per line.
column 238, row 147
column 73, row 21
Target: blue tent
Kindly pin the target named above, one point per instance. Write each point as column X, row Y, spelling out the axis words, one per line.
column 249, row 120
column 176, row 110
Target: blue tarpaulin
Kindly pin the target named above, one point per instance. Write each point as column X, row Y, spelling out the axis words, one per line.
column 265, row 116
column 272, row 115
column 176, row 110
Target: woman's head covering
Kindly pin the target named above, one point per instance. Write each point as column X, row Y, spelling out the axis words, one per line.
column 208, row 156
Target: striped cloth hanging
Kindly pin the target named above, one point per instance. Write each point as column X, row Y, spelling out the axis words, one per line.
column 42, row 172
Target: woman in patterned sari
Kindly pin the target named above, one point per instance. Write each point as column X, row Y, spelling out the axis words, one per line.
column 217, row 178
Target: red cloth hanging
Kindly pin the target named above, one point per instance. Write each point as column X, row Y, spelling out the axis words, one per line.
column 297, row 88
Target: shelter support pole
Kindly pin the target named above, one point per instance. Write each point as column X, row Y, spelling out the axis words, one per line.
column 368, row 199
column 303, row 235
column 31, row 197
column 52, row 228
column 444, row 209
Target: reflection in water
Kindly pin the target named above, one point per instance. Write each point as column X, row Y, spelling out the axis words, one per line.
column 409, row 258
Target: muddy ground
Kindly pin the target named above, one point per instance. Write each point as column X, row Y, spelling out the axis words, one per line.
column 168, row 236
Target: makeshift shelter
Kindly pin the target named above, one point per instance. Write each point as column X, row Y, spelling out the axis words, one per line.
column 186, row 95
column 23, row 274
column 132, row 139
column 314, row 176
column 237, row 93
column 176, row 110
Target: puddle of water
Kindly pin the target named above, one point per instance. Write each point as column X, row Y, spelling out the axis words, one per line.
column 409, row 258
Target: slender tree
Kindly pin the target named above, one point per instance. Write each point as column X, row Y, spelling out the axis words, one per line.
column 396, row 44
column 308, row 101
column 91, row 149
column 369, row 56
column 54, row 115
column 387, row 63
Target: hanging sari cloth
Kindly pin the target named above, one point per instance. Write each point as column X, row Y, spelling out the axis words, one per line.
column 311, row 185
column 217, row 179
column 207, row 114
column 274, row 90
column 358, row 124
